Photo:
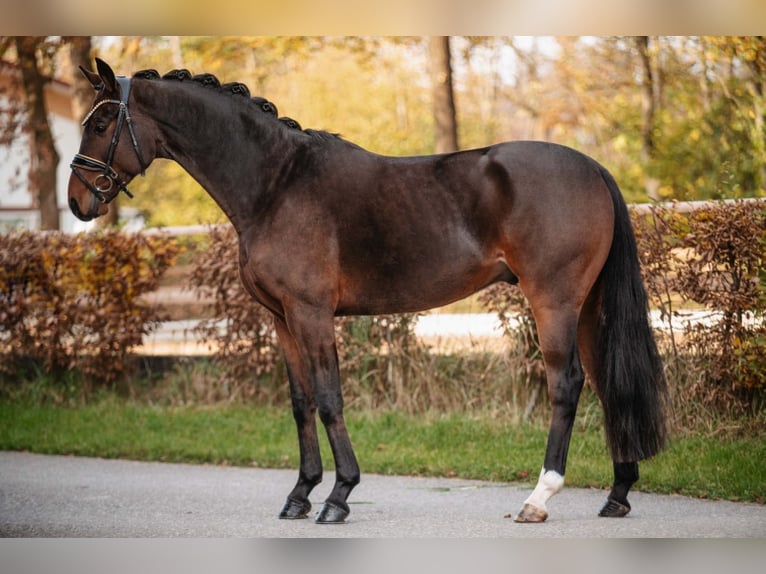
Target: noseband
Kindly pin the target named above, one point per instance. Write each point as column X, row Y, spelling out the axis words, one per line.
column 108, row 184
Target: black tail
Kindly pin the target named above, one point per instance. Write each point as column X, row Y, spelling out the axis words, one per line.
column 631, row 381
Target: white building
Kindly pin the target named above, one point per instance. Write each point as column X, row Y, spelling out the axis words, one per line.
column 16, row 202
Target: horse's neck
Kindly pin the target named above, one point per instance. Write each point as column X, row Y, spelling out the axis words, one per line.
column 212, row 142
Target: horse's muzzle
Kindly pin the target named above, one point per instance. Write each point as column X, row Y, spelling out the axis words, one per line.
column 75, row 207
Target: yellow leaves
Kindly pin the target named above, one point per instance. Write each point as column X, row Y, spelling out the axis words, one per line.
column 666, row 191
column 74, row 300
column 620, row 143
column 695, row 135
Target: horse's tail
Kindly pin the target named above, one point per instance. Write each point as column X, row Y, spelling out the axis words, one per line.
column 630, row 378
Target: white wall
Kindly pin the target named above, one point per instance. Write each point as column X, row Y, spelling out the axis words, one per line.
column 15, row 198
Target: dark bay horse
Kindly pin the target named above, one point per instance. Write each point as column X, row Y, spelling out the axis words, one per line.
column 326, row 228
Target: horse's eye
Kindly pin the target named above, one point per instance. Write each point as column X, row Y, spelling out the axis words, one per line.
column 99, row 129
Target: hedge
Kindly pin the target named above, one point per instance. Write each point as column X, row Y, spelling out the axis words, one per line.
column 74, row 302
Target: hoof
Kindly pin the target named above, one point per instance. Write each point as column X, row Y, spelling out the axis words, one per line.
column 531, row 514
column 614, row 509
column 295, row 509
column 331, row 513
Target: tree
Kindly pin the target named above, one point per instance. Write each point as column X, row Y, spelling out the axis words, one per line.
column 748, row 53
column 44, row 158
column 445, row 124
column 709, row 136
column 80, row 52
column 651, row 101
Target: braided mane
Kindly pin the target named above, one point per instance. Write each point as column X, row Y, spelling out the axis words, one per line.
column 235, row 89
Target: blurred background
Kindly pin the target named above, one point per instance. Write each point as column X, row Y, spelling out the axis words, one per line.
column 673, row 117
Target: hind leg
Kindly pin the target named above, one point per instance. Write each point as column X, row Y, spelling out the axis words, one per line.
column 557, row 330
column 625, row 473
column 625, row 476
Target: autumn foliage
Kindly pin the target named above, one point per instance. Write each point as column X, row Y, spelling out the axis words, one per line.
column 711, row 260
column 74, row 301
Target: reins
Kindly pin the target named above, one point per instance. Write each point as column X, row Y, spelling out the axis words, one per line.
column 102, row 186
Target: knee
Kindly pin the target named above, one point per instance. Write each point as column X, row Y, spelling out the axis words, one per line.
column 303, row 410
column 330, row 408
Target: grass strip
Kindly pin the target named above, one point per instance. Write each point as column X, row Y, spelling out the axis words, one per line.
column 452, row 445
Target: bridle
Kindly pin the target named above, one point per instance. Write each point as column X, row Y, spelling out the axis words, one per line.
column 108, row 184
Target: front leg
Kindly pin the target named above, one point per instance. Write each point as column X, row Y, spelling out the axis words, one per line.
column 297, row 504
column 313, row 332
column 347, row 475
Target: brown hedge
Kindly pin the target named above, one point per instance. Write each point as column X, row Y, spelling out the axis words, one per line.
column 712, row 259
column 74, row 301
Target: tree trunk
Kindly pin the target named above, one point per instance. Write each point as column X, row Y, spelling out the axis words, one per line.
column 44, row 158
column 444, row 101
column 650, row 104
column 80, row 54
column 757, row 88
column 704, row 76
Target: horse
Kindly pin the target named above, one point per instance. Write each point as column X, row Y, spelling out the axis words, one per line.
column 327, row 228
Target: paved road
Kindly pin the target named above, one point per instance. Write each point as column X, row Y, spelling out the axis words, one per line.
column 60, row 496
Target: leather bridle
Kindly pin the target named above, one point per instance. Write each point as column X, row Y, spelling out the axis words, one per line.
column 108, row 184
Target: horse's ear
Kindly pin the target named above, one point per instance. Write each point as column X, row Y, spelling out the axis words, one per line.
column 107, row 76
column 94, row 79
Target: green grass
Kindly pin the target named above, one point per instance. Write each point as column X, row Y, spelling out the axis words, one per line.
column 388, row 443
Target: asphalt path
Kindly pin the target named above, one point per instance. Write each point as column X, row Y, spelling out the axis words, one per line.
column 64, row 496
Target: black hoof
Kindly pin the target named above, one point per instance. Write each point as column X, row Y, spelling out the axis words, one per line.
column 614, row 509
column 331, row 513
column 294, row 509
